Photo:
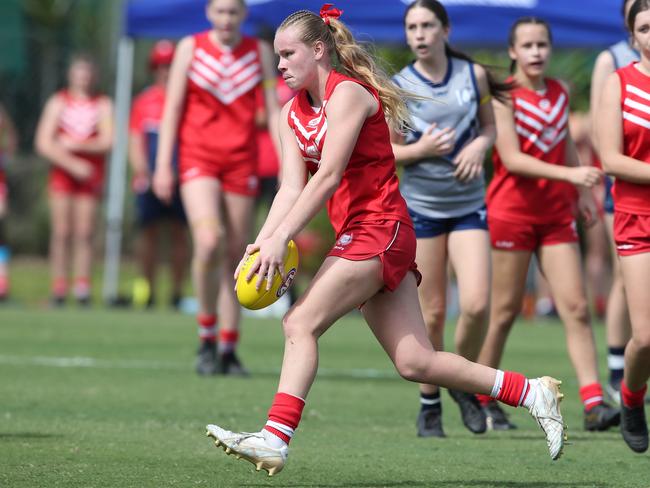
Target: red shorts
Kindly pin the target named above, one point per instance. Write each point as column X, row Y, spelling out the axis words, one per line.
column 631, row 233
column 511, row 236
column 239, row 178
column 392, row 241
column 62, row 182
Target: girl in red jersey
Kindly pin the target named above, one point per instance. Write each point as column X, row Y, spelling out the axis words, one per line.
column 335, row 129
column 8, row 144
column 210, row 106
column 532, row 199
column 617, row 319
column 74, row 134
column 623, row 131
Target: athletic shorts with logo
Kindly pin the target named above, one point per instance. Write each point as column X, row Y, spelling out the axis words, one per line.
column 392, row 241
column 517, row 236
column 631, row 233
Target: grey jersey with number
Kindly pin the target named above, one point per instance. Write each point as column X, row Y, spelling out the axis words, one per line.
column 429, row 186
column 623, row 54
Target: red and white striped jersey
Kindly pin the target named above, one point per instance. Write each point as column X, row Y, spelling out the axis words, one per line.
column 635, row 106
column 541, row 123
column 79, row 119
column 369, row 188
column 218, row 122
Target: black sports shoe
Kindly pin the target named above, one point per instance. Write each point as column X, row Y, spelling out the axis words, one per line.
column 496, row 418
column 470, row 410
column 429, row 423
column 602, row 417
column 230, row 364
column 57, row 301
column 634, row 428
column 206, row 359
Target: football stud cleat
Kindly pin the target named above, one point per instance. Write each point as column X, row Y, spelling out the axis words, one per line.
column 250, row 446
column 470, row 410
column 546, row 411
column 429, row 423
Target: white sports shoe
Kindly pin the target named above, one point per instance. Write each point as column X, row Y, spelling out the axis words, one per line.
column 546, row 411
column 250, row 446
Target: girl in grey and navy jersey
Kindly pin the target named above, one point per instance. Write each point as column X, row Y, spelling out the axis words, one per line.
column 452, row 127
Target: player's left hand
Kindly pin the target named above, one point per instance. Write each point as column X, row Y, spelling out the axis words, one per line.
column 469, row 163
column 272, row 252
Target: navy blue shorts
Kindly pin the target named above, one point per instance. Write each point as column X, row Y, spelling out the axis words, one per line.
column 608, row 201
column 149, row 209
column 428, row 227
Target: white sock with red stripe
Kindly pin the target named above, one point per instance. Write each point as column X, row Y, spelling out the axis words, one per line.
column 284, row 417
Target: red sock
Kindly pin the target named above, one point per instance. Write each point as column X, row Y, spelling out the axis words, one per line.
column 591, row 395
column 284, row 416
column 4, row 285
column 81, row 287
column 632, row 399
column 228, row 340
column 514, row 389
column 207, row 327
column 59, row 287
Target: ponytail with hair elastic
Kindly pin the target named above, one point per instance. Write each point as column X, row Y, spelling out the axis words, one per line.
column 350, row 58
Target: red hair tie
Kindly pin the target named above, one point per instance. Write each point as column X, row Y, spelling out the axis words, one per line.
column 328, row 11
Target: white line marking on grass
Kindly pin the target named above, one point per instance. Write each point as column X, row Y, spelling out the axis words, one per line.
column 86, row 362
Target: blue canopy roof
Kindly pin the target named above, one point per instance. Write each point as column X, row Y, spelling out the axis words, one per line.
column 575, row 23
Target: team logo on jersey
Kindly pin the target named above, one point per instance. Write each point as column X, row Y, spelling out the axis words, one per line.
column 544, row 104
column 313, row 122
column 482, row 214
column 312, row 150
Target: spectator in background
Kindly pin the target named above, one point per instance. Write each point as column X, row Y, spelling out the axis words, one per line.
column 74, row 134
column 8, row 143
column 152, row 212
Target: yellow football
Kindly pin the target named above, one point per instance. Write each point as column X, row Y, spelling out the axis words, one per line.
column 254, row 299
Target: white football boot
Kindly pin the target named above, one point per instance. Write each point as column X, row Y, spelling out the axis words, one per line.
column 250, row 446
column 546, row 411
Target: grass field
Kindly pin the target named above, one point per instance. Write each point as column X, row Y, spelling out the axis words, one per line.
column 101, row 398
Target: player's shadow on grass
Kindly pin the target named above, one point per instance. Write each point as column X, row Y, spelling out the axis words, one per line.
column 26, row 435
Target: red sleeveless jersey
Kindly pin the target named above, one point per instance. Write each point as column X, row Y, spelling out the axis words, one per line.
column 79, row 120
column 369, row 188
column 635, row 105
column 218, row 123
column 541, row 124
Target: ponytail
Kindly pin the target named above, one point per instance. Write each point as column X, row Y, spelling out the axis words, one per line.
column 351, row 59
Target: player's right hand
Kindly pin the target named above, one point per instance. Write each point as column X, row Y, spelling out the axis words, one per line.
column 436, row 142
column 80, row 170
column 163, row 183
column 585, row 176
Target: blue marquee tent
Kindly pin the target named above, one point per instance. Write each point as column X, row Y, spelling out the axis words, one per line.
column 474, row 22
column 484, row 23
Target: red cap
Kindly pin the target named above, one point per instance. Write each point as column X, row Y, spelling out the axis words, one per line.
column 161, row 54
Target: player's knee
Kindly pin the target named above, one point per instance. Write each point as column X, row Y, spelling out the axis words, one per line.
column 642, row 341
column 413, row 367
column 207, row 244
column 475, row 311
column 61, row 233
column 578, row 310
column 295, row 325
